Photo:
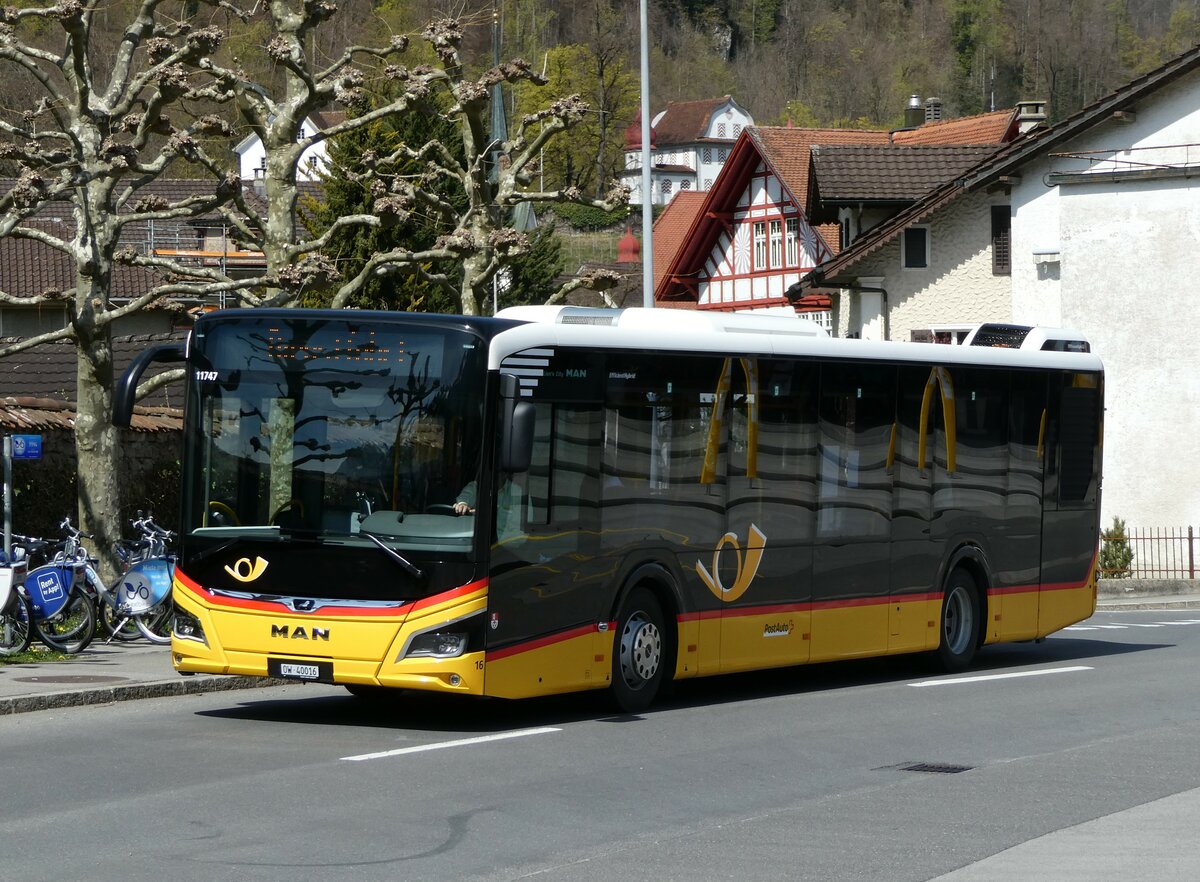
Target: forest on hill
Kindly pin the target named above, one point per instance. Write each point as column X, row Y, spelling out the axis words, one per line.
column 835, row 63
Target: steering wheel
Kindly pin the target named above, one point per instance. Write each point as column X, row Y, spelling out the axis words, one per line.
column 224, row 511
column 439, row 508
column 290, row 505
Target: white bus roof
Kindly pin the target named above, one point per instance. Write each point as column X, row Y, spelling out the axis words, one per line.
column 674, row 330
column 782, row 322
column 1007, row 335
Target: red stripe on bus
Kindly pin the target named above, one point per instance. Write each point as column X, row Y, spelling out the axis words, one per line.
column 403, row 609
column 542, row 642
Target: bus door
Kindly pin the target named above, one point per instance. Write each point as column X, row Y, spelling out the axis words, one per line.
column 915, row 556
column 852, row 550
column 1017, row 564
column 1072, row 489
column 765, row 563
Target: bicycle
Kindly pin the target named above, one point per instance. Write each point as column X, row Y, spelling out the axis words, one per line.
column 16, row 617
column 62, row 613
column 114, row 624
column 144, row 591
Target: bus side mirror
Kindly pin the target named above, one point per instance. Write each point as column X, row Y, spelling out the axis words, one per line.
column 126, row 392
column 517, row 420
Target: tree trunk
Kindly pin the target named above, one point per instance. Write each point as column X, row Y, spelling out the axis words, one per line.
column 97, row 446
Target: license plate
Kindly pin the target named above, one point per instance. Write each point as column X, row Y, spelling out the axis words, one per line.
column 310, row 672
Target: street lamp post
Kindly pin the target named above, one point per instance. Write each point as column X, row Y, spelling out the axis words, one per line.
column 647, row 207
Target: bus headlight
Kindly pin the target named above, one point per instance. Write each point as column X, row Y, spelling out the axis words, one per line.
column 438, row 644
column 187, row 626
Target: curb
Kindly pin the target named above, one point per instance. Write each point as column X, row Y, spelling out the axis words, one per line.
column 1149, row 603
column 131, row 692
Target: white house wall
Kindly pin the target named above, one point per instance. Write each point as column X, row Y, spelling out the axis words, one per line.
column 957, row 287
column 1126, row 279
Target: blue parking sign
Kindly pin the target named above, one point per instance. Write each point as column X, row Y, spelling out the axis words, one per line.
column 27, row 446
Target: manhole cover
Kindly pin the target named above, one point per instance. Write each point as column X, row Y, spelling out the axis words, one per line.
column 81, row 679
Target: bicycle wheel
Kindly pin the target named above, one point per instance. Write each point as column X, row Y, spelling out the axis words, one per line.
column 16, row 629
column 115, row 625
column 155, row 625
column 72, row 628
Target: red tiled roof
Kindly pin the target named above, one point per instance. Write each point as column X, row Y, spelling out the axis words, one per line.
column 686, row 121
column 995, row 127
column 671, row 228
column 788, row 151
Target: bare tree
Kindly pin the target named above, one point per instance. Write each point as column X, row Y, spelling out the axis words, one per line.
column 466, row 260
column 95, row 139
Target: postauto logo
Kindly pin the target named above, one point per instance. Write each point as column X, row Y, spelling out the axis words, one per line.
column 50, row 586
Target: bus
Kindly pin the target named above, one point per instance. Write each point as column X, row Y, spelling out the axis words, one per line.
column 557, row 499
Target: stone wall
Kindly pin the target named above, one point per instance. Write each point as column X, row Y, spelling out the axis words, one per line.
column 44, row 490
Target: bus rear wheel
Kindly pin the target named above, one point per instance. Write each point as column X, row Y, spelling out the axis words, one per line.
column 960, row 622
column 640, row 656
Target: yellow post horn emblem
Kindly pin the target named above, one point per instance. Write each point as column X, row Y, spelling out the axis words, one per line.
column 245, row 571
column 747, row 567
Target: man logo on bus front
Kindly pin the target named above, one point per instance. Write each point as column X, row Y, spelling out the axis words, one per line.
column 747, row 566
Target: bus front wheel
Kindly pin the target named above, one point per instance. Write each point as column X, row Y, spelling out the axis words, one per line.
column 960, row 622
column 640, row 656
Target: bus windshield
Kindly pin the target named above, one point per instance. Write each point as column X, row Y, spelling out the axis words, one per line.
column 334, row 430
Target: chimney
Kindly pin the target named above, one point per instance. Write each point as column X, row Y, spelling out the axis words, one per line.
column 912, row 113
column 1030, row 114
column 933, row 110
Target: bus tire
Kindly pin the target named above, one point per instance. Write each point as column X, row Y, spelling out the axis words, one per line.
column 960, row 620
column 640, row 654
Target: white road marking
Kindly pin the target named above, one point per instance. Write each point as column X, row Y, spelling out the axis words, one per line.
column 1138, row 625
column 1181, row 622
column 985, row 677
column 462, row 742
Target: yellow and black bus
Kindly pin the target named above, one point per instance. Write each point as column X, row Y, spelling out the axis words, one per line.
column 558, row 499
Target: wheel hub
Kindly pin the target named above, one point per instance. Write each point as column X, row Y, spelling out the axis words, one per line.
column 641, row 651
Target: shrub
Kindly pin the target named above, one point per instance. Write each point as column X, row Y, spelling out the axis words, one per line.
column 1116, row 555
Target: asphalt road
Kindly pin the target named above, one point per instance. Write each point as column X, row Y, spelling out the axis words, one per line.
column 1073, row 758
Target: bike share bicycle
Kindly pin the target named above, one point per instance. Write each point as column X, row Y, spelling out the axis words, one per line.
column 115, row 624
column 16, row 617
column 61, row 612
column 144, row 591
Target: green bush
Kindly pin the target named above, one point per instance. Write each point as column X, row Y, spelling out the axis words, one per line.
column 586, row 217
column 1116, row 555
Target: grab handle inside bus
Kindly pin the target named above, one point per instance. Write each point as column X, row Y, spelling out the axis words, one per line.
column 126, row 392
column 516, row 426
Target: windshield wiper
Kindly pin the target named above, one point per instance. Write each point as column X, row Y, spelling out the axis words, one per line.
column 407, row 565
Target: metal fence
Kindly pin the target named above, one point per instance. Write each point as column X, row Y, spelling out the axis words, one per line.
column 1156, row 553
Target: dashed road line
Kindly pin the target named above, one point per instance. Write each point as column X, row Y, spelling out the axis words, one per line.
column 956, row 681
column 443, row 745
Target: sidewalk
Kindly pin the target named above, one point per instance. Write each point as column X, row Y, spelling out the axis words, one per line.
column 106, row 673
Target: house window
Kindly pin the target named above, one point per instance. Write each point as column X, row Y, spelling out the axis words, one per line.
column 685, row 185
column 776, row 243
column 706, row 154
column 915, row 248
column 737, row 130
column 708, row 183
column 793, row 241
column 720, row 130
column 665, row 187
column 1001, row 241
column 721, row 154
column 760, row 245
